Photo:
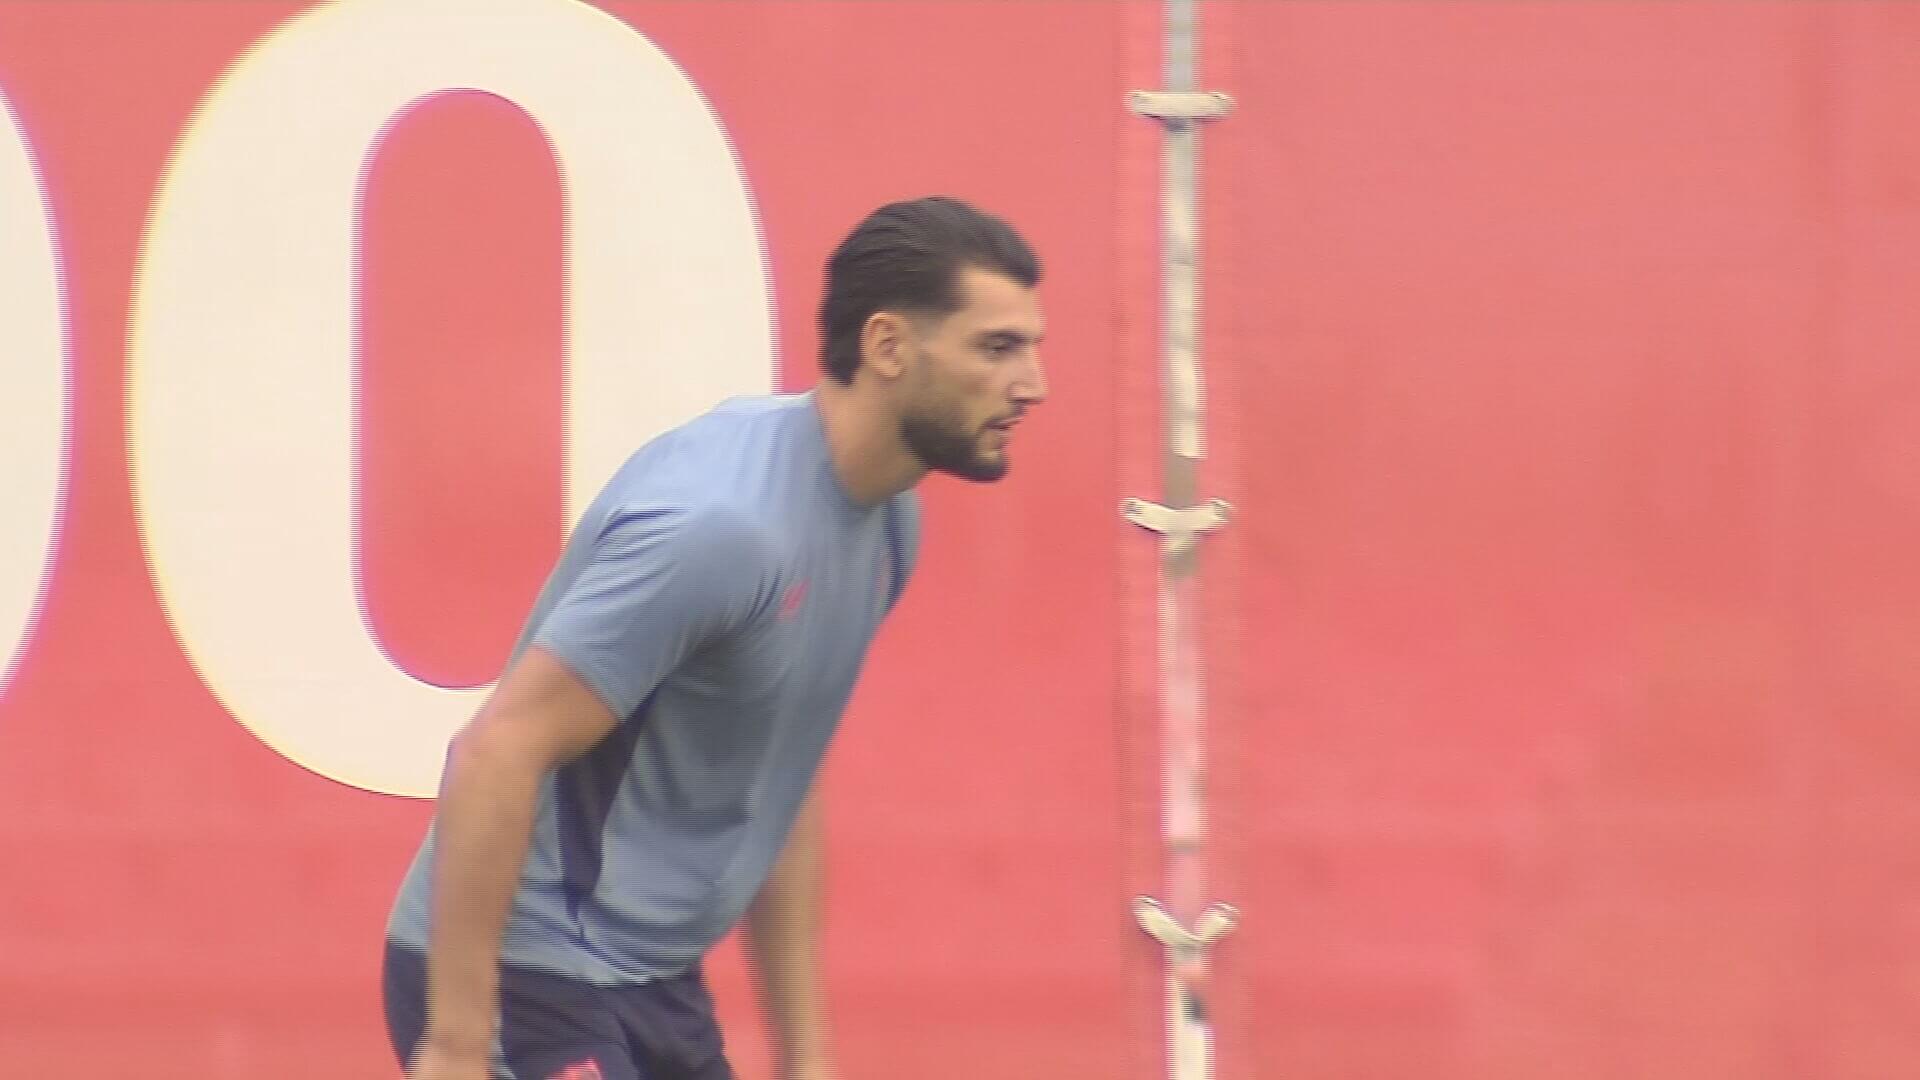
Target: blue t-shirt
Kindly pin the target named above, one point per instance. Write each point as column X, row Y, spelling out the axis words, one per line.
column 719, row 596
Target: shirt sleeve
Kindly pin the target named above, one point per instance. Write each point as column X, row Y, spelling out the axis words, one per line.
column 659, row 583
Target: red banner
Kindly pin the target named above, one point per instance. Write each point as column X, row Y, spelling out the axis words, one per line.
column 351, row 303
column 1559, row 654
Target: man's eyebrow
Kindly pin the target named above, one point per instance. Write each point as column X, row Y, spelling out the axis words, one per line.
column 1020, row 337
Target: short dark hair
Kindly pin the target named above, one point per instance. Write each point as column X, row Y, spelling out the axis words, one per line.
column 907, row 257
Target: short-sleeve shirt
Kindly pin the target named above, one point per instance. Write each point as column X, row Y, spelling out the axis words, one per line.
column 719, row 597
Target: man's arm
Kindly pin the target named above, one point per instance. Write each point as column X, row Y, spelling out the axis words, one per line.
column 783, row 930
column 539, row 716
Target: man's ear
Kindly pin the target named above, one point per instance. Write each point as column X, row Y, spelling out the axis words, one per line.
column 884, row 344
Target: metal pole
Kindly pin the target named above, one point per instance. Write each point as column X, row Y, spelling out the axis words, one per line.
column 1186, row 925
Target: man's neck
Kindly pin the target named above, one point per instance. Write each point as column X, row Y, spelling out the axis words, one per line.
column 864, row 442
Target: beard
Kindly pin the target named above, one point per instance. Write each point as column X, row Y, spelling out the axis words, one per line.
column 945, row 443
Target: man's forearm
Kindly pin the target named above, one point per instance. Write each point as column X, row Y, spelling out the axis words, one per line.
column 784, row 938
column 484, row 823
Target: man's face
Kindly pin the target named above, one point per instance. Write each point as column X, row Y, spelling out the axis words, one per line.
column 975, row 374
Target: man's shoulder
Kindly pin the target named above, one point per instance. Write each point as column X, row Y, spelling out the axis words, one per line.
column 730, row 417
column 696, row 452
column 747, row 406
column 707, row 522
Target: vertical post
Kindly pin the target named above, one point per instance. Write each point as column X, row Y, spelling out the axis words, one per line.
column 1185, row 925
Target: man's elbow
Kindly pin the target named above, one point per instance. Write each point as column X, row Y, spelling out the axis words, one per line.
column 487, row 747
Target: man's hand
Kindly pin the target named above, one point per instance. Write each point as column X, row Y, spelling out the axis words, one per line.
column 438, row 1062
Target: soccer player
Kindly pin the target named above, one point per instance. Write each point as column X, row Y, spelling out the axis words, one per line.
column 642, row 777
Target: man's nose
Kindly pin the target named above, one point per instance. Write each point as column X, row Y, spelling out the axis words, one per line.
column 1030, row 386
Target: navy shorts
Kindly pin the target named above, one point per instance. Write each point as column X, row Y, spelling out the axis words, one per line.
column 556, row 1028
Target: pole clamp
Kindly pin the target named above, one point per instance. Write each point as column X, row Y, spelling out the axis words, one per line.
column 1186, row 945
column 1180, row 107
column 1181, row 528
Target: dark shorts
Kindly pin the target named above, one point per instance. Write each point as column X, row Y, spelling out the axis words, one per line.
column 556, row 1028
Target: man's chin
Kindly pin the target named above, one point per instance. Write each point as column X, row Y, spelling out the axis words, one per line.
column 979, row 470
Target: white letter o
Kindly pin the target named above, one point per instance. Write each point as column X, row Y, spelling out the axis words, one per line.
column 242, row 331
column 33, row 393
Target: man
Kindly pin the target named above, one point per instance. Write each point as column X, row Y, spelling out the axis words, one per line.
column 641, row 778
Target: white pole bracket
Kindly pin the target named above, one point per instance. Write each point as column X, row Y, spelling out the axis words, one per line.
column 1215, row 923
column 1181, row 528
column 1180, row 106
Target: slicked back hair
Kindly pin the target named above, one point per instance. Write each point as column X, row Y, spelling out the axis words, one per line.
column 907, row 257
